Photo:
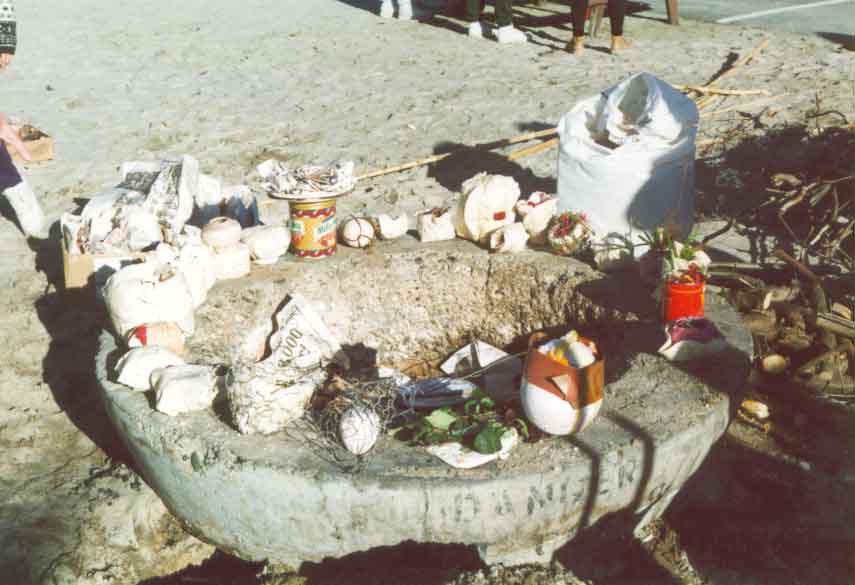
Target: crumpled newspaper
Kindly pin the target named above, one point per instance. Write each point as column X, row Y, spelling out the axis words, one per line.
column 307, row 181
column 265, row 396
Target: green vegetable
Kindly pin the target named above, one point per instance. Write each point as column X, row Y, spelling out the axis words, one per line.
column 441, row 418
column 489, row 440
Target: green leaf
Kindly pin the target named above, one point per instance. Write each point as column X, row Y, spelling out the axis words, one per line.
column 435, row 438
column 489, row 440
column 487, row 402
column 522, row 427
column 441, row 419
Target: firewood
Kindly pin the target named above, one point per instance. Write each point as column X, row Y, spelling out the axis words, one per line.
column 761, row 323
column 836, row 324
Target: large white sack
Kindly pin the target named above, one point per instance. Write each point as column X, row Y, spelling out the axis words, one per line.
column 147, row 293
column 645, row 177
column 135, row 367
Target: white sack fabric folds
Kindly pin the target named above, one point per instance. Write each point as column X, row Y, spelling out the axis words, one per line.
column 627, row 158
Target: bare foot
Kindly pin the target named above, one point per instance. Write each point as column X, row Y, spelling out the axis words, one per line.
column 577, row 46
column 619, row 44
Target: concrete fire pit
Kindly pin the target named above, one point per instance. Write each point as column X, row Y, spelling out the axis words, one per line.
column 273, row 498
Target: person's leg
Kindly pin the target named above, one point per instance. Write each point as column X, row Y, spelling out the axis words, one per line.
column 21, row 198
column 473, row 10
column 405, row 9
column 387, row 10
column 580, row 14
column 504, row 13
column 617, row 11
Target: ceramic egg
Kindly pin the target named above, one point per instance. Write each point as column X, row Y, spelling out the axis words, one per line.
column 359, row 429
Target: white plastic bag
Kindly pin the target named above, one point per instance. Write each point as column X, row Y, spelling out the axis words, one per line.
column 627, row 158
column 148, row 293
column 267, row 395
column 185, row 388
column 135, row 367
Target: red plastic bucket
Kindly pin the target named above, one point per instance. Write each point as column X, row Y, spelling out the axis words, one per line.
column 682, row 300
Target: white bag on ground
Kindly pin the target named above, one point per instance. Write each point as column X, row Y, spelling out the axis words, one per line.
column 148, row 293
column 135, row 367
column 26, row 207
column 186, row 388
column 627, row 158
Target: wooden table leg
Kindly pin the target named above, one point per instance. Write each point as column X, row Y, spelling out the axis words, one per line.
column 673, row 12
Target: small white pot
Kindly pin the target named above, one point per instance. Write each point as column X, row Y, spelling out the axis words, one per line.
column 221, row 232
column 267, row 242
column 232, row 262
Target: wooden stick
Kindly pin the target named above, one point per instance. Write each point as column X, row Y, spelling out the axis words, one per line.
column 740, row 63
column 714, row 90
column 528, row 151
column 798, row 266
column 742, row 106
column 438, row 157
column 836, row 324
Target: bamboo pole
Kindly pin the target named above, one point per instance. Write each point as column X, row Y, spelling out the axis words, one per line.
column 744, row 105
column 528, row 151
column 438, row 157
column 714, row 90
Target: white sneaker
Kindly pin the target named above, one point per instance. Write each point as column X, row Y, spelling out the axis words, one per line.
column 509, row 34
column 476, row 31
column 387, row 10
column 405, row 9
column 27, row 208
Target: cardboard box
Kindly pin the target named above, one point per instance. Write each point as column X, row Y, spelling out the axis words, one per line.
column 81, row 269
column 39, row 144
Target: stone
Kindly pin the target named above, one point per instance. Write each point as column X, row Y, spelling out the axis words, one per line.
column 656, row 426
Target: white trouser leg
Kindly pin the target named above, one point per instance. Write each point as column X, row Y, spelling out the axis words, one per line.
column 405, row 9
column 387, row 9
column 26, row 207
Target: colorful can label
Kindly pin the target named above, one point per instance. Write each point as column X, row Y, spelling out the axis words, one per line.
column 313, row 229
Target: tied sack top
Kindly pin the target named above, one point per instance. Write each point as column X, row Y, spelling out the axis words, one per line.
column 8, row 37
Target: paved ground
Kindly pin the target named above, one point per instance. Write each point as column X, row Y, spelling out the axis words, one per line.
column 832, row 19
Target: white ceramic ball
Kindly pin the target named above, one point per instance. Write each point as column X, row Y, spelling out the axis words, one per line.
column 359, row 429
column 357, row 232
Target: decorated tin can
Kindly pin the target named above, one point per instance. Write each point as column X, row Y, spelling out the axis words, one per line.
column 313, row 228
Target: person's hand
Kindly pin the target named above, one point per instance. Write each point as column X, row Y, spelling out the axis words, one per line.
column 5, row 60
column 9, row 136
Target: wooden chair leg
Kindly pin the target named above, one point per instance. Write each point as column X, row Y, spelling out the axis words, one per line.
column 597, row 21
column 673, row 12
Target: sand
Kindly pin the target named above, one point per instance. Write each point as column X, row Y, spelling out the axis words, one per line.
column 235, row 83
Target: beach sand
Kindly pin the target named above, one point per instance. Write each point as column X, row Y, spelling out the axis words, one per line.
column 234, row 83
